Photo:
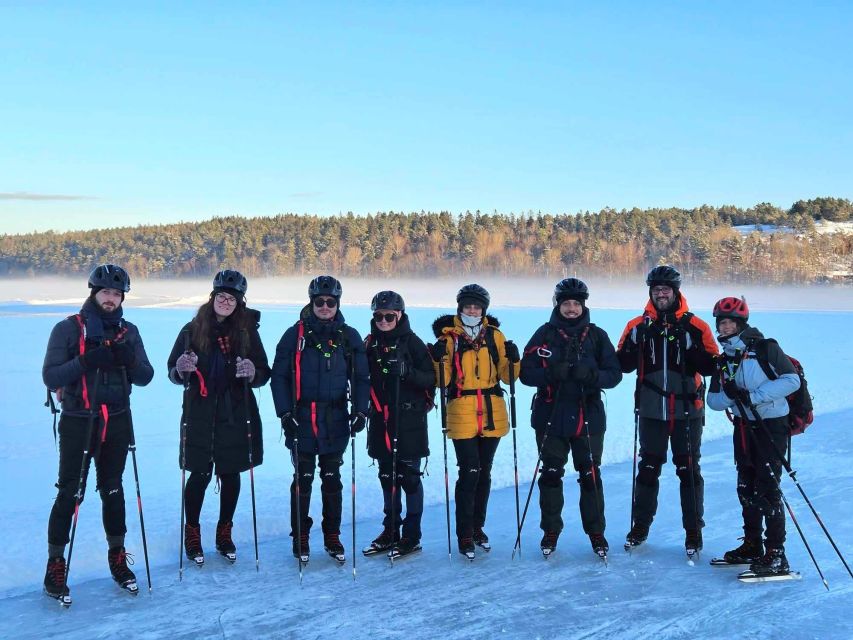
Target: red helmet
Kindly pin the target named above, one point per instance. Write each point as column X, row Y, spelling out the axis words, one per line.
column 731, row 307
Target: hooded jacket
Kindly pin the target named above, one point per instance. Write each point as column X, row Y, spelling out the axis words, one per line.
column 671, row 351
column 63, row 372
column 416, row 392
column 215, row 412
column 739, row 360
column 316, row 364
column 475, row 404
column 573, row 341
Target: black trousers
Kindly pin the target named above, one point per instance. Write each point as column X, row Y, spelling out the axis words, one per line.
column 555, row 454
column 408, row 481
column 758, row 490
column 331, row 491
column 109, row 448
column 229, row 492
column 654, row 436
column 474, row 458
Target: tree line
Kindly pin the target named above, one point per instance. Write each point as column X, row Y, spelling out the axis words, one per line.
column 784, row 248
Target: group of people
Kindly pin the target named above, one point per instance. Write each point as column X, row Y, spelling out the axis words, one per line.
column 328, row 384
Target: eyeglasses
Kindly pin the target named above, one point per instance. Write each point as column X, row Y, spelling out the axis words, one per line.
column 387, row 317
column 329, row 302
column 661, row 289
column 224, row 298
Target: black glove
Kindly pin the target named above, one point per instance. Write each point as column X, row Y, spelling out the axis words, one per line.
column 735, row 393
column 438, row 350
column 98, row 358
column 511, row 351
column 397, row 368
column 558, row 372
column 288, row 425
column 124, row 355
column 584, row 373
column 357, row 422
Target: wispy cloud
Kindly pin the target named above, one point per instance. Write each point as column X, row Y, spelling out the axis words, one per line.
column 306, row 194
column 25, row 195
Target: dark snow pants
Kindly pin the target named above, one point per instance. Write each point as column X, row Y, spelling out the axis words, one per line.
column 109, row 449
column 555, row 454
column 331, row 491
column 654, row 435
column 408, row 481
column 474, row 458
column 757, row 491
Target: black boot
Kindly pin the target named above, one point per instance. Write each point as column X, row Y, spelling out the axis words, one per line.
column 54, row 580
column 599, row 544
column 772, row 563
column 481, row 539
column 192, row 543
column 548, row 544
column 383, row 542
column 333, row 546
column 751, row 550
column 301, row 549
column 693, row 540
column 224, row 544
column 637, row 535
column 124, row 577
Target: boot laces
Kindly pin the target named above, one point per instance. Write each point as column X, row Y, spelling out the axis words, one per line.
column 56, row 570
column 223, row 532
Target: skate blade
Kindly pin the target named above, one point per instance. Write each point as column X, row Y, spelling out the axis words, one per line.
column 749, row 576
column 547, row 553
column 720, row 562
column 395, row 554
column 198, row 561
column 64, row 600
column 485, row 546
column 374, row 551
column 340, row 558
column 131, row 587
column 230, row 556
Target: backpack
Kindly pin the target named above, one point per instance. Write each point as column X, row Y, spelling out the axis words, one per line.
column 801, row 410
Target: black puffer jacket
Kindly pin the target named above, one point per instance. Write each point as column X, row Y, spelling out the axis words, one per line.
column 573, row 341
column 416, row 392
column 330, row 360
column 215, row 409
column 63, row 372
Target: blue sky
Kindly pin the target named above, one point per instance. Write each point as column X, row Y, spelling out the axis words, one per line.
column 164, row 112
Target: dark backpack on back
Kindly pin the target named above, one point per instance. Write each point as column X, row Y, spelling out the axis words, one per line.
column 800, row 408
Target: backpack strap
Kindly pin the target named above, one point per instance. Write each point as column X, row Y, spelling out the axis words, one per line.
column 760, row 348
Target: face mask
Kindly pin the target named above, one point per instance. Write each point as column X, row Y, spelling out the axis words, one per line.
column 470, row 321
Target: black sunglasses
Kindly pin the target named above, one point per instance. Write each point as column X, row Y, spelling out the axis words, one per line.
column 329, row 302
column 388, row 317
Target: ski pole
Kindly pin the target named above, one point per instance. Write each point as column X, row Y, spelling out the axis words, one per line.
column 394, row 460
column 295, row 458
column 641, row 340
column 251, row 468
column 685, row 403
column 184, row 460
column 775, row 480
column 514, row 420
column 592, row 466
column 84, row 468
column 442, row 401
column 132, row 448
column 793, row 475
column 352, row 476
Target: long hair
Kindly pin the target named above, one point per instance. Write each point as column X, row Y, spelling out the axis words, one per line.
column 236, row 325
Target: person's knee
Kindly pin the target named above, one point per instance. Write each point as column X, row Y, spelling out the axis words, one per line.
column 589, row 479
column 410, row 479
column 649, row 469
column 686, row 465
column 552, row 476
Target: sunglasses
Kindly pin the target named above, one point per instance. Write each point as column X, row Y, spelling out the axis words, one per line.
column 387, row 317
column 328, row 302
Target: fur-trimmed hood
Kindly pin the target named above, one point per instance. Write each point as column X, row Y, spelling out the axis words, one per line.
column 448, row 321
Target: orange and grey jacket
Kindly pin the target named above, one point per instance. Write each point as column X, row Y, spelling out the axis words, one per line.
column 670, row 352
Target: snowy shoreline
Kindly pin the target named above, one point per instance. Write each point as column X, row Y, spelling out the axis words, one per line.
column 431, row 292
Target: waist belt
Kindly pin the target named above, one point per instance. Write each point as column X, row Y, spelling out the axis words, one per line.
column 491, row 391
column 663, row 392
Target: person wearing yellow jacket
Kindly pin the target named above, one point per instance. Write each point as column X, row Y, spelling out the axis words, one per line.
column 475, row 357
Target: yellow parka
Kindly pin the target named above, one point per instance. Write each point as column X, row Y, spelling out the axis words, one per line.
column 475, row 406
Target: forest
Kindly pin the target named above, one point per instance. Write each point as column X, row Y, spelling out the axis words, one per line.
column 784, row 246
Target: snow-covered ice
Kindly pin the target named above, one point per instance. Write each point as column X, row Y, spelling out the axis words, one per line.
column 572, row 595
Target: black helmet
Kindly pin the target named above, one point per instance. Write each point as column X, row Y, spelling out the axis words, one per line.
column 109, row 276
column 473, row 294
column 230, row 279
column 325, row 286
column 664, row 275
column 570, row 289
column 388, row 300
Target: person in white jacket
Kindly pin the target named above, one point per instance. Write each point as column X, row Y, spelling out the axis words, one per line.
column 753, row 378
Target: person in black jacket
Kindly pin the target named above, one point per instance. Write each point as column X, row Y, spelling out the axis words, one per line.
column 318, row 362
column 402, row 382
column 92, row 359
column 215, row 356
column 570, row 360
